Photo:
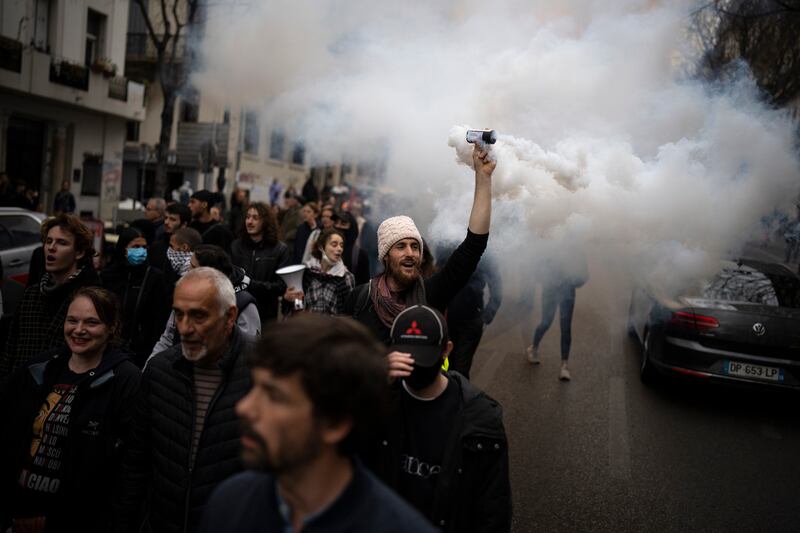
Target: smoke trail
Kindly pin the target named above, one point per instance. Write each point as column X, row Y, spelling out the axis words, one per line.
column 606, row 143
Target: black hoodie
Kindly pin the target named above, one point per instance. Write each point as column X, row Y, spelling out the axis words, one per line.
column 98, row 432
column 354, row 257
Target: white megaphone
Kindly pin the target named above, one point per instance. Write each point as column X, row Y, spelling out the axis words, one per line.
column 292, row 276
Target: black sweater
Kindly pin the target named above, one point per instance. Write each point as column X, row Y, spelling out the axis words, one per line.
column 439, row 288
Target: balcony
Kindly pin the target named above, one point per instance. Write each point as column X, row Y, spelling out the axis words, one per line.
column 69, row 74
column 118, row 88
column 10, row 54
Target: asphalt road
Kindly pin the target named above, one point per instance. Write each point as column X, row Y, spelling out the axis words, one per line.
column 606, row 453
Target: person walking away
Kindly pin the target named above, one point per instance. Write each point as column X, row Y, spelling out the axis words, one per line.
column 319, row 383
column 184, row 431
column 140, row 290
column 561, row 274
column 326, row 281
column 377, row 303
column 66, row 419
column 211, row 230
column 259, row 252
column 468, row 313
column 64, row 201
column 39, row 320
column 444, row 447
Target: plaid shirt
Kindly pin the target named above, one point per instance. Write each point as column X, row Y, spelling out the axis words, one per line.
column 325, row 293
column 38, row 323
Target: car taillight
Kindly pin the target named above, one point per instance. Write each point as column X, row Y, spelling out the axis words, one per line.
column 689, row 320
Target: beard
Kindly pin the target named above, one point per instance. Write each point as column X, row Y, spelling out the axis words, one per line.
column 196, row 355
column 400, row 277
column 289, row 456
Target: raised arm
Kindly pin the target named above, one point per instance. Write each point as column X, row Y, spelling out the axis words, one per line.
column 481, row 215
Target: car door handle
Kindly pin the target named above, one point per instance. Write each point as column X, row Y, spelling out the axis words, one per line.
column 16, row 262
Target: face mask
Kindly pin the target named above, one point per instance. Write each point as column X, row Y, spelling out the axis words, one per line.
column 137, row 256
column 179, row 260
column 422, row 376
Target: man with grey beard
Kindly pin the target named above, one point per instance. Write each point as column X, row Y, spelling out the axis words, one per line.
column 377, row 303
column 185, row 434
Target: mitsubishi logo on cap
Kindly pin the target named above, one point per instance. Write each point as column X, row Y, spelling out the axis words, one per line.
column 414, row 329
column 759, row 329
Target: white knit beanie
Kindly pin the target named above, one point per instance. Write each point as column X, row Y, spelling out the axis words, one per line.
column 396, row 229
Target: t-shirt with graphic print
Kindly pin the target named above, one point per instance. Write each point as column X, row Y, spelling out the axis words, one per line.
column 39, row 480
column 428, row 424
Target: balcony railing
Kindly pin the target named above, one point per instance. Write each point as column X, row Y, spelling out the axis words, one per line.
column 140, row 47
column 69, row 74
column 118, row 88
column 10, row 54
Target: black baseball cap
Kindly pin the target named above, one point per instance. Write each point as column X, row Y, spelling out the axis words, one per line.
column 206, row 196
column 421, row 331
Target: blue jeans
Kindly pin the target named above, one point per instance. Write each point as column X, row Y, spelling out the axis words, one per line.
column 563, row 297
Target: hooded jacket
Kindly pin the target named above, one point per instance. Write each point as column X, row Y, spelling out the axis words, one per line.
column 38, row 323
column 98, row 432
column 140, row 291
column 161, row 491
column 473, row 491
column 260, row 261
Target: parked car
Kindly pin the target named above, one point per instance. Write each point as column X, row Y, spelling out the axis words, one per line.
column 19, row 236
column 741, row 326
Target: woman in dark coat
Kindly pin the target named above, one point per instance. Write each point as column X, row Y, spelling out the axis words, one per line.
column 65, row 417
column 140, row 289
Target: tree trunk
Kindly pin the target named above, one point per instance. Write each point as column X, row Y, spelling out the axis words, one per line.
column 164, row 139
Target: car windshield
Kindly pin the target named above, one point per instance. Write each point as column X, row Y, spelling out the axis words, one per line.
column 748, row 285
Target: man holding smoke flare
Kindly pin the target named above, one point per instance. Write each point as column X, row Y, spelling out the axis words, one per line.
column 377, row 303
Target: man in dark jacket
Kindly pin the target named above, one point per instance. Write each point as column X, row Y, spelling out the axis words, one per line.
column 212, row 231
column 177, row 216
column 377, row 303
column 354, row 257
column 444, row 448
column 318, row 388
column 260, row 254
column 185, row 432
column 290, row 219
column 38, row 323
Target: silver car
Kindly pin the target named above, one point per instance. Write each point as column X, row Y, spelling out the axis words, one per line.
column 20, row 235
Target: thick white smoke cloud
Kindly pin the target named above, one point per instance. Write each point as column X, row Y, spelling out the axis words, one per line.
column 604, row 141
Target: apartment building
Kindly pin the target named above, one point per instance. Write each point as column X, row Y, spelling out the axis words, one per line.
column 65, row 102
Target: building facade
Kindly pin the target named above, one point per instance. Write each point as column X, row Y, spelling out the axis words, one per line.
column 65, row 103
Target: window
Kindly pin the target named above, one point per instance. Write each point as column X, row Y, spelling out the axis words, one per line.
column 132, row 131
column 92, row 174
column 252, row 134
column 298, row 154
column 190, row 107
column 44, row 24
column 95, row 36
column 22, row 230
column 276, row 145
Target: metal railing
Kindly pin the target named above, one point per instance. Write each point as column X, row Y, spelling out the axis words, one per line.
column 70, row 74
column 10, row 54
column 118, row 88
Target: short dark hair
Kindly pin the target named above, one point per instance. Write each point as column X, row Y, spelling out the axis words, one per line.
column 182, row 210
column 341, row 365
column 106, row 305
column 188, row 236
column 211, row 255
column 322, row 239
column 84, row 240
column 268, row 220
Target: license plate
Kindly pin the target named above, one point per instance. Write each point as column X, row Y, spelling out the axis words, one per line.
column 747, row 370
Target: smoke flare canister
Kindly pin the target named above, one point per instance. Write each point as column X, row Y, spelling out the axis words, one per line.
column 484, row 136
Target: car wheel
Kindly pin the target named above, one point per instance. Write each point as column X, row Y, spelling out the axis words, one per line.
column 647, row 372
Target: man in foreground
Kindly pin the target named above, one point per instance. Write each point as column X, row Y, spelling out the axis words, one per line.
column 377, row 303
column 185, row 436
column 444, row 448
column 318, row 385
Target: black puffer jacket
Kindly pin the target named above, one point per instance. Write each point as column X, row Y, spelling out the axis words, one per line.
column 38, row 324
column 473, row 493
column 161, row 491
column 98, row 431
column 260, row 260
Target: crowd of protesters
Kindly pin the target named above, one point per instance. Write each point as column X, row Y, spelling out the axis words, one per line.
column 177, row 388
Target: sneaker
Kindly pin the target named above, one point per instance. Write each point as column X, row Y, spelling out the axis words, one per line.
column 564, row 374
column 532, row 354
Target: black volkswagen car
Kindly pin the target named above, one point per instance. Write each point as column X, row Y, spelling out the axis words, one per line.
column 741, row 326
